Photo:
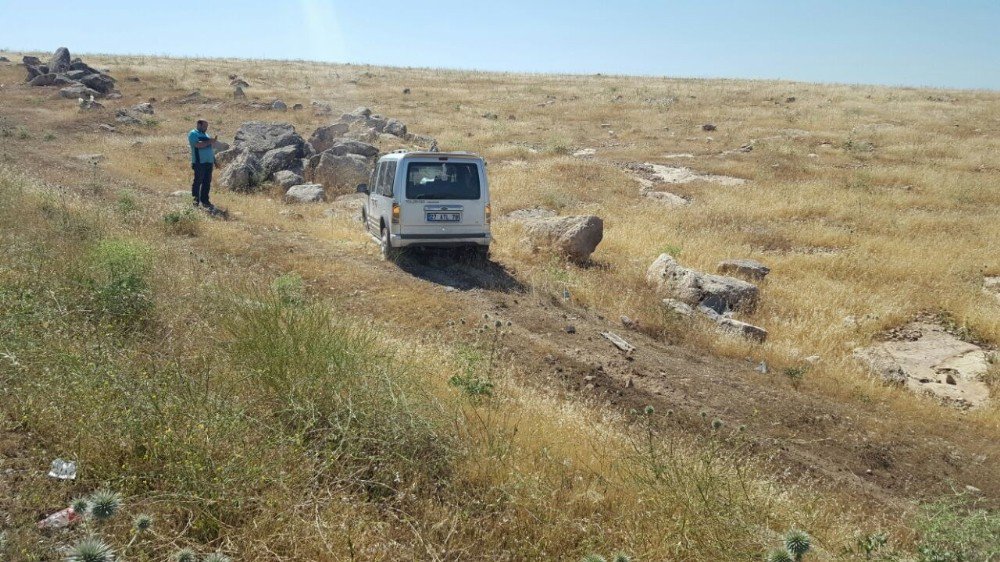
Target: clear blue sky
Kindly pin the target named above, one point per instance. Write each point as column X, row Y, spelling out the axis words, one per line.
column 953, row 44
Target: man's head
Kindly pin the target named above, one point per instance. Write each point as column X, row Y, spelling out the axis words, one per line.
column 202, row 125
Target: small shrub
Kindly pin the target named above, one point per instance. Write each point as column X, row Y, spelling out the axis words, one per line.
column 778, row 555
column 216, row 557
column 127, row 205
column 119, row 269
column 185, row 555
column 49, row 136
column 952, row 531
column 672, row 251
column 290, row 289
column 795, row 375
column 181, row 222
column 23, row 134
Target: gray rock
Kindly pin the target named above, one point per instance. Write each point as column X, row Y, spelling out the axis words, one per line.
column 297, row 107
column 339, row 173
column 100, row 82
column 376, row 122
column 144, row 108
column 75, row 74
column 239, row 83
column 736, row 327
column 719, row 293
column 347, row 146
column 4, row 59
column 747, row 268
column 78, row 91
column 679, row 307
column 360, row 113
column 325, row 137
column 575, row 237
column 242, row 173
column 287, row 178
column 260, row 137
column 28, row 60
column 278, row 159
column 363, row 135
column 224, row 157
column 79, row 65
column 305, row 193
column 127, row 118
column 238, row 93
column 395, row 127
column 43, row 80
column 278, row 105
column 320, row 108
column 708, row 127
column 60, row 61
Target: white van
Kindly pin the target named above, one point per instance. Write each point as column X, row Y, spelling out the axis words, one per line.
column 428, row 199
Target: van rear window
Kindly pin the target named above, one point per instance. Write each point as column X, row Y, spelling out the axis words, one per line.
column 442, row 180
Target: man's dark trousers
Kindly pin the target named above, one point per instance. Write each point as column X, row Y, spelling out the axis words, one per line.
column 202, row 182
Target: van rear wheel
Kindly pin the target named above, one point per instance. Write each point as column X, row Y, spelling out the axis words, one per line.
column 388, row 252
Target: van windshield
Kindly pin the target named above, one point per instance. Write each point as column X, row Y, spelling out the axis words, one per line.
column 442, row 180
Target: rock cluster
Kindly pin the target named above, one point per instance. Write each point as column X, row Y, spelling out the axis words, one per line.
column 77, row 78
column 715, row 296
column 337, row 157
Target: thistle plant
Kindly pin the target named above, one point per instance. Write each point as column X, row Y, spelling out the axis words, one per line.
column 91, row 549
column 778, row 555
column 797, row 543
column 185, row 555
column 142, row 523
column 620, row 557
column 216, row 557
column 717, row 424
column 594, row 558
column 80, row 506
column 104, row 504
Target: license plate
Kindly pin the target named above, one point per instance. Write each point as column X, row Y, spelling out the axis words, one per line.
column 444, row 217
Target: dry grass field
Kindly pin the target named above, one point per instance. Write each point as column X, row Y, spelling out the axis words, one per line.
column 878, row 204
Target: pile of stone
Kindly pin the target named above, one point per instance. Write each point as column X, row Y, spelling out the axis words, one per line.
column 79, row 81
column 717, row 297
column 337, row 157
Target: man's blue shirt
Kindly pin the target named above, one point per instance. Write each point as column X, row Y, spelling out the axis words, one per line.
column 200, row 155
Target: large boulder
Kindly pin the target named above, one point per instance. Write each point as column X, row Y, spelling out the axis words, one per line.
column 242, row 173
column 60, row 61
column 340, row 173
column 576, row 237
column 279, row 159
column 305, row 193
column 260, row 137
column 79, row 65
column 324, row 137
column 29, row 60
column 716, row 292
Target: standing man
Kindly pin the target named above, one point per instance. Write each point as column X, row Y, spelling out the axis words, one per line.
column 202, row 162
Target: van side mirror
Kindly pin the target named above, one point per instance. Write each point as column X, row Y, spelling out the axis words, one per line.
column 363, row 188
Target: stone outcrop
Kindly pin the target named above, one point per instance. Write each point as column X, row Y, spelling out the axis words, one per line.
column 242, row 173
column 751, row 269
column 305, row 193
column 722, row 294
column 339, row 173
column 62, row 70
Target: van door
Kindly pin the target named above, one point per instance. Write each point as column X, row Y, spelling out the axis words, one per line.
column 372, row 211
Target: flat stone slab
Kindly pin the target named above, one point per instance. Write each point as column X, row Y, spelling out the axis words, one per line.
column 930, row 360
column 666, row 198
column 991, row 286
column 683, row 174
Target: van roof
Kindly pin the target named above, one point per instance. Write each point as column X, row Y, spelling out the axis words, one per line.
column 401, row 154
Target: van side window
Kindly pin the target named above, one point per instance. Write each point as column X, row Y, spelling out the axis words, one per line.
column 376, row 176
column 371, row 180
column 390, row 178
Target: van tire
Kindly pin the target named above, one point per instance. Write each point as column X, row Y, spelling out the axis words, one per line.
column 385, row 246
